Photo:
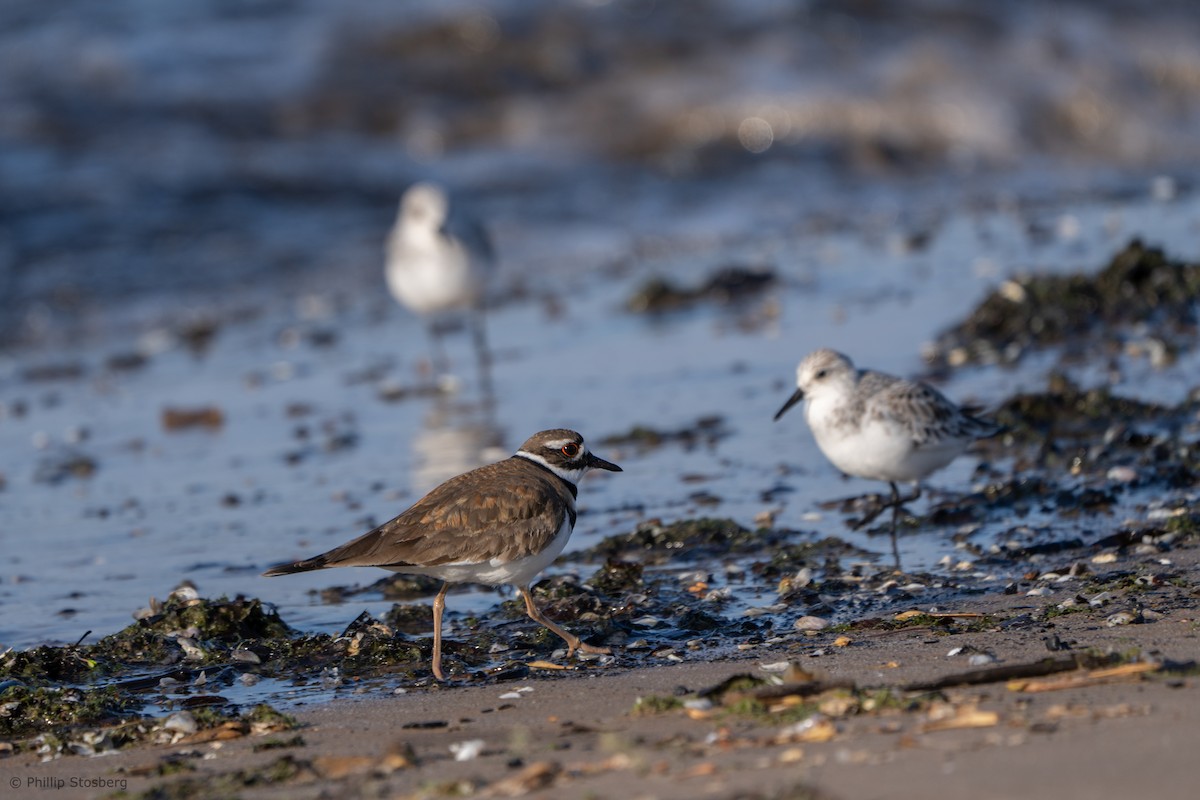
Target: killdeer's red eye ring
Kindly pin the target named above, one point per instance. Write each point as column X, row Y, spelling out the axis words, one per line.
column 570, row 450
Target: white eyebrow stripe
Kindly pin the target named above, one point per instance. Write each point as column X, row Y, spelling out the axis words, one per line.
column 559, row 444
column 569, row 475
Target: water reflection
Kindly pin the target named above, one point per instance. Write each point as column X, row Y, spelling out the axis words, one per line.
column 454, row 439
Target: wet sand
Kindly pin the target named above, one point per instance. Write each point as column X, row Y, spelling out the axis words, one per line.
column 579, row 733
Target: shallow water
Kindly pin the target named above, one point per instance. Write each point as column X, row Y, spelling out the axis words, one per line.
column 216, row 507
column 127, row 228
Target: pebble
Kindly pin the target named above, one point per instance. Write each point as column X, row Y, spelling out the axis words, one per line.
column 245, row 656
column 191, row 651
column 809, row 623
column 1122, row 474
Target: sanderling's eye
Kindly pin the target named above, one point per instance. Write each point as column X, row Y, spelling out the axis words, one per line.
column 570, row 450
column 821, row 373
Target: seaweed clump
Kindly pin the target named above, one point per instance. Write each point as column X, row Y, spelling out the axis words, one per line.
column 1140, row 286
column 1094, row 431
column 26, row 711
column 201, row 630
column 727, row 285
column 654, row 543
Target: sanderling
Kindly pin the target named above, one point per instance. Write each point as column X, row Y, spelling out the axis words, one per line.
column 438, row 265
column 877, row 426
column 499, row 524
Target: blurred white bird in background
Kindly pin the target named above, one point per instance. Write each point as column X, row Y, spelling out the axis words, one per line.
column 438, row 265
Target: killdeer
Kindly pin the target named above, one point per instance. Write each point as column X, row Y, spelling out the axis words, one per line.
column 438, row 265
column 877, row 426
column 499, row 524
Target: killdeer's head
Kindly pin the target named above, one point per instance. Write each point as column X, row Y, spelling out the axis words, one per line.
column 821, row 372
column 425, row 206
column 563, row 452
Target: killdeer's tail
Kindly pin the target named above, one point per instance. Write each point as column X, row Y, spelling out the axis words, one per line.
column 307, row 565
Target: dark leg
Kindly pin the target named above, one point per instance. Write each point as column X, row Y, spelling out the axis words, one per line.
column 896, row 503
column 439, row 605
column 440, row 365
column 484, row 358
column 573, row 642
column 898, row 500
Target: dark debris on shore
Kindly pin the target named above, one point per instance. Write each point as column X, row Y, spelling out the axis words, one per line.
column 1141, row 299
column 184, row 652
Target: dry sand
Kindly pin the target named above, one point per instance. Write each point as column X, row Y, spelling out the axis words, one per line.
column 574, row 734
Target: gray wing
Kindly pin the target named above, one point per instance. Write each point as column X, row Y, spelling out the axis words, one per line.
column 472, row 234
column 927, row 414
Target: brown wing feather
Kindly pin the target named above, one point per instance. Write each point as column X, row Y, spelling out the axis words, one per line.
column 515, row 499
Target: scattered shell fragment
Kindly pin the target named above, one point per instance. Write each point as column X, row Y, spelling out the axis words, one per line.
column 963, row 717
column 467, row 750
column 816, row 728
column 180, row 722
column 1123, row 618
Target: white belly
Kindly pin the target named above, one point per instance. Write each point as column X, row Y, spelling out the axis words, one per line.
column 519, row 572
column 881, row 451
column 432, row 284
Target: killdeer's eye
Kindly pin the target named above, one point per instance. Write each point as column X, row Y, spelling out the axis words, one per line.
column 570, row 450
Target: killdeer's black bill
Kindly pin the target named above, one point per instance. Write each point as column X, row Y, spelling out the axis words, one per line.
column 499, row 524
column 595, row 462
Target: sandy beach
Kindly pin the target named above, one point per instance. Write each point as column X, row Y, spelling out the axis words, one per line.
column 590, row 732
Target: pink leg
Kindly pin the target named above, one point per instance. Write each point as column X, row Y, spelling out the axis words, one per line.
column 439, row 605
column 573, row 642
